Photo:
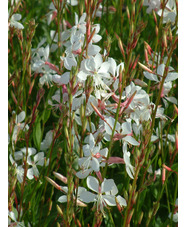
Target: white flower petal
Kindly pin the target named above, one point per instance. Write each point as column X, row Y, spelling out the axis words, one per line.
column 93, row 183
column 171, row 77
column 87, row 197
column 121, row 201
column 126, row 128
column 82, row 174
column 151, row 76
column 160, row 69
column 30, row 173
column 108, row 185
column 110, row 200
column 20, row 117
column 95, row 164
column 131, row 140
column 62, row 199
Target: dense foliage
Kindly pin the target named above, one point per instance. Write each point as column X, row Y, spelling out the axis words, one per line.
column 93, row 138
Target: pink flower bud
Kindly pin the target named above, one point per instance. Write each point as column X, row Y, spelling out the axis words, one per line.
column 163, row 175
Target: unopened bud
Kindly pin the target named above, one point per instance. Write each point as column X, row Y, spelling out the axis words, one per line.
column 140, row 218
column 121, row 46
column 163, row 175
column 165, row 39
column 154, row 15
column 97, row 111
column 176, row 138
column 176, row 108
column 59, row 210
column 126, row 195
column 135, row 198
column 66, row 133
column 85, row 125
column 133, row 12
column 130, row 188
column 156, row 30
column 82, row 112
column 140, row 83
column 60, row 177
column 170, row 34
column 128, row 13
column 53, row 183
column 144, row 67
column 132, row 29
column 130, row 216
column 150, row 213
column 146, row 56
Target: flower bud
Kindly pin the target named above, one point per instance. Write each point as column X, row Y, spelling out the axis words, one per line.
column 60, row 177
column 130, row 216
column 128, row 13
column 140, row 218
column 156, row 30
column 165, row 39
column 144, row 67
column 53, row 183
column 59, row 210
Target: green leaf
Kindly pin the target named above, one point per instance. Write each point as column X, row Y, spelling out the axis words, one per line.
column 46, row 115
column 37, row 134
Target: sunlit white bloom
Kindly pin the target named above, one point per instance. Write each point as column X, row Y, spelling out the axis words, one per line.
column 92, row 158
column 14, row 21
column 19, row 169
column 63, row 198
column 171, row 76
column 80, row 24
column 114, row 70
column 45, row 144
column 12, row 219
column 98, row 70
column 152, row 5
column 19, row 125
column 37, row 160
column 19, row 154
column 106, row 194
column 128, row 166
column 169, row 13
column 53, row 11
column 124, row 130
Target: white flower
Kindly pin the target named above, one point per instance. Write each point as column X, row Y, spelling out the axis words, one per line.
column 19, row 125
column 124, row 130
column 38, row 160
column 45, row 144
column 63, row 198
column 93, row 156
column 19, row 169
column 169, row 13
column 129, row 167
column 106, row 194
column 12, row 216
column 160, row 71
column 39, row 59
column 14, row 21
column 114, row 70
column 95, row 67
column 152, row 5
